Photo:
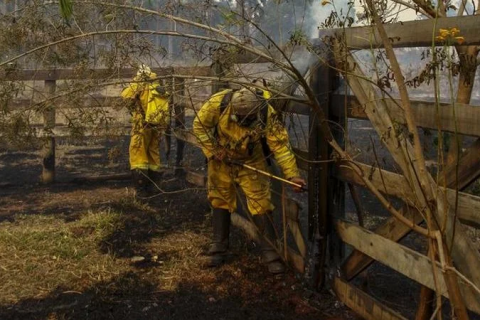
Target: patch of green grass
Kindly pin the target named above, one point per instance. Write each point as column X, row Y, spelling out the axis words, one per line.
column 39, row 253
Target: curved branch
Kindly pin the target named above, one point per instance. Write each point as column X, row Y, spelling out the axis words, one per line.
column 411, row 6
column 234, row 40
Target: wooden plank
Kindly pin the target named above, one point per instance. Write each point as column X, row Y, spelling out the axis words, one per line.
column 297, row 108
column 292, row 211
column 467, row 116
column 192, row 103
column 403, row 260
column 395, row 231
column 391, row 229
column 298, row 237
column 101, row 102
column 464, row 253
column 468, row 210
column 361, row 303
column 469, row 168
column 389, row 183
column 64, row 74
column 248, row 57
column 201, row 71
column 396, row 185
column 66, row 102
column 407, row 34
column 400, row 258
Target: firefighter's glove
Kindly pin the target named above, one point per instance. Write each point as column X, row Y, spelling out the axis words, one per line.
column 299, row 181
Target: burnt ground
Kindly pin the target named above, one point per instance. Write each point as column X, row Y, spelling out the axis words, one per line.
column 89, row 251
column 140, row 261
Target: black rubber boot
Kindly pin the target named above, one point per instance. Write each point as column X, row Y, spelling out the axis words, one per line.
column 154, row 183
column 270, row 257
column 140, row 182
column 221, row 231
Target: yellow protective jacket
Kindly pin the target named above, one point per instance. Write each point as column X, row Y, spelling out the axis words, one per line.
column 144, row 153
column 141, row 90
column 215, row 131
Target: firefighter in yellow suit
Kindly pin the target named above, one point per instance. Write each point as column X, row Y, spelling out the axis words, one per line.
column 144, row 149
column 234, row 135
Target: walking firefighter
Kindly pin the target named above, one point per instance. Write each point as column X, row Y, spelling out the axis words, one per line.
column 148, row 103
column 238, row 131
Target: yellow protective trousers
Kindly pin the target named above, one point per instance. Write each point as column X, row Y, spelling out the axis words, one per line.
column 144, row 150
column 224, row 179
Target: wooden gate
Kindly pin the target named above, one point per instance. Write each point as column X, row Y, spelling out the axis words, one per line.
column 382, row 244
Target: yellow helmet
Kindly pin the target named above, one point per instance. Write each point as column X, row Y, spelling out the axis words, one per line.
column 144, row 73
column 245, row 101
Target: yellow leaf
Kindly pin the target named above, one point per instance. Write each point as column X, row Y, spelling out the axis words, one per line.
column 325, row 2
column 445, row 35
column 454, row 31
column 439, row 38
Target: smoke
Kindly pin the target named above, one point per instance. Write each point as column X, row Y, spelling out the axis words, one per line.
column 318, row 13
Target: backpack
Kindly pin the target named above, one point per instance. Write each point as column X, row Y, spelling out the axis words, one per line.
column 263, row 120
column 157, row 111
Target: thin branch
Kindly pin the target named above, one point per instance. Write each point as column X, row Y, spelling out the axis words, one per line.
column 411, row 6
column 428, row 9
column 461, row 9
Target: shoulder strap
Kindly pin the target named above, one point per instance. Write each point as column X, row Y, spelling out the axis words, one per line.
column 263, row 120
column 227, row 97
column 264, row 113
column 225, row 101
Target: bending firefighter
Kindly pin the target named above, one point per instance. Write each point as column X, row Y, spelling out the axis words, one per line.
column 235, row 128
column 148, row 104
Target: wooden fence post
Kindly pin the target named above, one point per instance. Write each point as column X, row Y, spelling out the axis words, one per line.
column 336, row 187
column 48, row 150
column 179, row 124
column 318, row 181
column 218, row 71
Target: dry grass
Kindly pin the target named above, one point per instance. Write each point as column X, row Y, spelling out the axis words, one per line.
column 40, row 253
column 97, row 253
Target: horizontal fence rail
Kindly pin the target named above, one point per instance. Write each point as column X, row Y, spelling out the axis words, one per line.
column 396, row 185
column 408, row 34
column 13, row 74
column 465, row 120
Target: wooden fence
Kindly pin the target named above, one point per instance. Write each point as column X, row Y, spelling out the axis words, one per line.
column 323, row 246
column 382, row 244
